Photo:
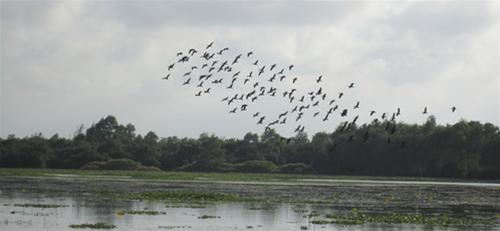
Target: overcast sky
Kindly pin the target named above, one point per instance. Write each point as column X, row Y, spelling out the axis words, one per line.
column 64, row 63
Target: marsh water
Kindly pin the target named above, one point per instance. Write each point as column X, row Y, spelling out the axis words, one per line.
column 17, row 215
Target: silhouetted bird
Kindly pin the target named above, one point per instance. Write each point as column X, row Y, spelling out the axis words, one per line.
column 357, row 105
column 297, row 129
column 425, row 110
column 326, row 117
column 372, row 112
column 198, row 94
column 166, row 77
column 179, row 53
column 294, row 80
column 272, row 67
column 236, row 59
column 262, row 70
column 256, row 114
column 319, row 79
column 192, row 51
column 351, row 85
column 256, row 62
column 244, row 107
column 234, row 110
column 207, row 91
column 261, row 120
column 453, row 109
column 171, row 66
column 290, row 67
column 209, row 45
column 249, row 53
column 344, row 113
column 187, row 81
column 340, row 95
column 398, row 112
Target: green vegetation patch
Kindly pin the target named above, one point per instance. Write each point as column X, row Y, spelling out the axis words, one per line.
column 98, row 225
column 180, row 196
column 140, row 212
column 356, row 218
column 28, row 205
column 208, row 217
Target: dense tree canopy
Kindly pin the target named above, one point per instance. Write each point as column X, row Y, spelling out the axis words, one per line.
column 467, row 149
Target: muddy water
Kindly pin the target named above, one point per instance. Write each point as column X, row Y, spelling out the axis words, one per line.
column 178, row 216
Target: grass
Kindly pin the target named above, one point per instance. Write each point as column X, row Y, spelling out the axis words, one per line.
column 357, row 218
column 198, row 176
column 208, row 217
column 180, row 196
column 98, row 225
column 39, row 205
column 140, row 212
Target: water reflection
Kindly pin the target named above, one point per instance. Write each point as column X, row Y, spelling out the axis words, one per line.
column 179, row 216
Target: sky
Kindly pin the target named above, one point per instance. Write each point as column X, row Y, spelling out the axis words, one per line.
column 67, row 63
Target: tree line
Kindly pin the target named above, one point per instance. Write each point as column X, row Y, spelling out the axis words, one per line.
column 466, row 149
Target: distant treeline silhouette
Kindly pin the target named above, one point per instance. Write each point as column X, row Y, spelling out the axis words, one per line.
column 467, row 149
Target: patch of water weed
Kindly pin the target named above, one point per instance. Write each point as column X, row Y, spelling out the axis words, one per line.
column 98, row 225
column 39, row 205
column 304, row 227
column 140, row 212
column 186, row 206
column 208, row 217
column 356, row 218
column 180, row 196
column 174, row 227
column 265, row 206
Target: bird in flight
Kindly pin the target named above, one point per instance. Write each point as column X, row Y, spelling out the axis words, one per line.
column 171, row 66
column 357, row 105
column 319, row 79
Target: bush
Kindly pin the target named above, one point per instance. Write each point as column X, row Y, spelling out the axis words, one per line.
column 94, row 165
column 200, row 167
column 256, row 166
column 118, row 164
column 147, row 168
column 121, row 164
column 296, row 168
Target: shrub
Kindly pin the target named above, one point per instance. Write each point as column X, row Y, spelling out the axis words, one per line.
column 296, row 168
column 94, row 165
column 255, row 166
column 118, row 164
column 121, row 164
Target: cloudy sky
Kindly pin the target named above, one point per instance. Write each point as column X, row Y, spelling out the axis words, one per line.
column 64, row 63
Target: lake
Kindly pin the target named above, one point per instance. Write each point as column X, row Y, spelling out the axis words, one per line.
column 20, row 211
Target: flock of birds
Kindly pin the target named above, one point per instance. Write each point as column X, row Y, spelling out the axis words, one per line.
column 211, row 68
